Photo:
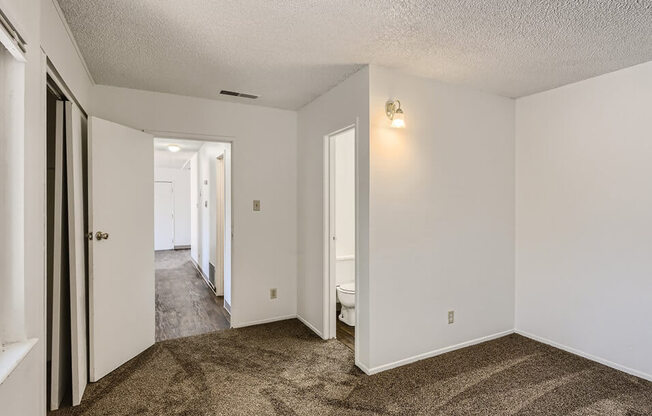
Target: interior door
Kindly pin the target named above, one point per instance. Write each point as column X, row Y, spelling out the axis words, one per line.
column 76, row 241
column 121, row 254
column 163, row 216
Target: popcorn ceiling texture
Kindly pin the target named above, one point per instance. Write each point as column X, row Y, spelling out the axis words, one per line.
column 291, row 51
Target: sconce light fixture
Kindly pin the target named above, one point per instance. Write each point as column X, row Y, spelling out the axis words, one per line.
column 174, row 148
column 394, row 113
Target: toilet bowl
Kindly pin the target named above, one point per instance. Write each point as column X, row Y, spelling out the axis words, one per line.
column 346, row 296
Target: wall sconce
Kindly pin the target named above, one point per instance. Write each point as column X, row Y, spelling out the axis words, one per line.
column 394, row 113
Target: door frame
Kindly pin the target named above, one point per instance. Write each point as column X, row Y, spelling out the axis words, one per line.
column 230, row 140
column 329, row 281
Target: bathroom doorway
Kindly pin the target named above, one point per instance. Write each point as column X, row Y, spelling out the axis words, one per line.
column 341, row 234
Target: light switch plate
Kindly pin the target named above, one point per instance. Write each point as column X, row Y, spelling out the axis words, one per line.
column 256, row 205
column 451, row 317
column 272, row 293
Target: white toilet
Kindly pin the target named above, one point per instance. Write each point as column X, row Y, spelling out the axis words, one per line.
column 346, row 296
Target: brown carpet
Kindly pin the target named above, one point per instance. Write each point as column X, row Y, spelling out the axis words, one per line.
column 283, row 369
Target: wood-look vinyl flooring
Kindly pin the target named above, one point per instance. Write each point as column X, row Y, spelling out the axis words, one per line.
column 185, row 305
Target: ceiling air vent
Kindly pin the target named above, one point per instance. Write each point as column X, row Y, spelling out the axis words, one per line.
column 238, row 94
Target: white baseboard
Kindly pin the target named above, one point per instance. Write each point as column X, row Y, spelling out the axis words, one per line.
column 262, row 321
column 430, row 354
column 586, row 355
column 363, row 368
column 310, row 326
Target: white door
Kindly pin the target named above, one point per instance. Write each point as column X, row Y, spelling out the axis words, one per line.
column 121, row 262
column 163, row 216
column 76, row 241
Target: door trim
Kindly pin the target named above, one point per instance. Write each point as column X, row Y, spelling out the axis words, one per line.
column 329, row 282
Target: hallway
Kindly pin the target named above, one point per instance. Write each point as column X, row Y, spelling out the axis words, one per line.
column 185, row 305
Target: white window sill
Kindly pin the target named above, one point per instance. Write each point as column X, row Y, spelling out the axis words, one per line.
column 12, row 355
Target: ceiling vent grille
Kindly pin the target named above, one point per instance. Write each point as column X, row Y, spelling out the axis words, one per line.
column 238, row 94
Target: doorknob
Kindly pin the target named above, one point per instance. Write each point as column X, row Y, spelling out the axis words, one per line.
column 101, row 236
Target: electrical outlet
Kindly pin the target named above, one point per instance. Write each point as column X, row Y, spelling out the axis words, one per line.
column 256, row 205
column 272, row 293
column 451, row 317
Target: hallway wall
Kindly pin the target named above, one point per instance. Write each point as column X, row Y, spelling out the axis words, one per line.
column 264, row 167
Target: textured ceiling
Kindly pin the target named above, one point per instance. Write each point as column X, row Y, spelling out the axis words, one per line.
column 291, row 51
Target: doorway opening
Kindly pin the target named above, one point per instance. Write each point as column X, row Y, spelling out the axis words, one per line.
column 192, row 236
column 340, row 207
column 66, row 249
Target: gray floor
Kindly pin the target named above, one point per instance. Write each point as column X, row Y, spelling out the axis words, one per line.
column 184, row 304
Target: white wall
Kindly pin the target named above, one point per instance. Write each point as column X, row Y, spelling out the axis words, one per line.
column 441, row 218
column 180, row 179
column 340, row 107
column 264, row 153
column 584, row 217
column 345, row 206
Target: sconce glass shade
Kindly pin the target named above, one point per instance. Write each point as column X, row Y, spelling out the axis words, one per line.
column 394, row 113
column 398, row 121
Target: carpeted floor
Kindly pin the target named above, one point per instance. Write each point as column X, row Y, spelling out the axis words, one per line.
column 283, row 369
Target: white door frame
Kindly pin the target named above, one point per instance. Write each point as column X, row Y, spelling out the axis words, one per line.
column 210, row 139
column 329, row 282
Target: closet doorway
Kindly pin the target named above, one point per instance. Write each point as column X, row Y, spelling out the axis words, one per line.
column 67, row 249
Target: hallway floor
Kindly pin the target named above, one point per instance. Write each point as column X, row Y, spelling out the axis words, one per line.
column 185, row 305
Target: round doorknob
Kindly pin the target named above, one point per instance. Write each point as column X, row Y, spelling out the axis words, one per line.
column 101, row 235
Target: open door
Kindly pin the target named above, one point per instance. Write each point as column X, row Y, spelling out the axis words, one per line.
column 76, row 241
column 121, row 254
